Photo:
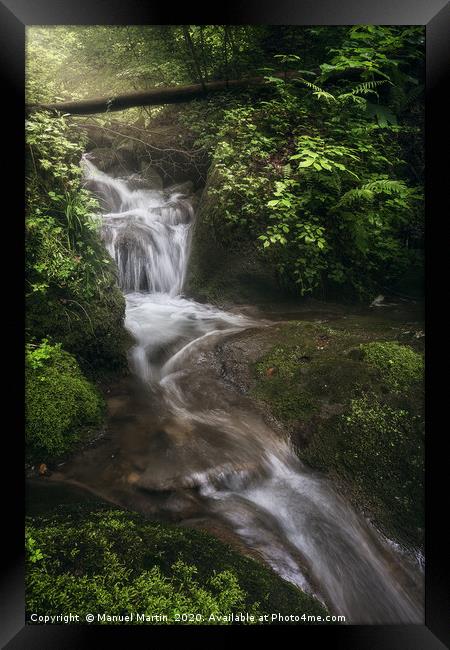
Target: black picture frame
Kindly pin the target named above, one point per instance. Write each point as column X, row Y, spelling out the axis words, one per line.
column 15, row 15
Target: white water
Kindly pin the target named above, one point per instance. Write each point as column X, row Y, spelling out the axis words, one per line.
column 247, row 477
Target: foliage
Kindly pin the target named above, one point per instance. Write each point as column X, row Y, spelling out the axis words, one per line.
column 333, row 196
column 110, row 561
column 323, row 170
column 70, row 278
column 64, row 247
column 34, row 554
column 123, row 58
column 399, row 365
column 60, row 402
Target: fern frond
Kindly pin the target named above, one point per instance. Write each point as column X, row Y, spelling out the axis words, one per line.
column 356, row 195
column 360, row 101
column 387, row 186
column 367, row 86
column 367, row 191
column 411, row 97
column 318, row 91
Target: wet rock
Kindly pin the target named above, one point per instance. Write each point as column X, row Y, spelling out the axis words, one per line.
column 126, row 151
column 97, row 136
column 377, row 301
column 150, row 176
column 380, row 301
column 104, row 158
column 185, row 188
column 132, row 478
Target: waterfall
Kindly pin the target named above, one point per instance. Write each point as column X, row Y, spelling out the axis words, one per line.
column 147, row 234
column 210, row 438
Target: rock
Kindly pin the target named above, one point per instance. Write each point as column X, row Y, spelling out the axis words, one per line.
column 104, row 158
column 380, row 302
column 150, row 176
column 195, row 199
column 356, row 354
column 137, row 182
column 97, row 136
column 126, row 151
column 377, row 301
column 185, row 188
column 133, row 478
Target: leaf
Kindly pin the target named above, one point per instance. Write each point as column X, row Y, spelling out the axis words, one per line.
column 307, row 163
column 383, row 114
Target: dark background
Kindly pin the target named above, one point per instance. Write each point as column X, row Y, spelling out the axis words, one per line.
column 14, row 16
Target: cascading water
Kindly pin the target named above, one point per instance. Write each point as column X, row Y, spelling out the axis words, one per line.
column 209, row 439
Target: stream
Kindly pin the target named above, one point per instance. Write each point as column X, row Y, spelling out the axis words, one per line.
column 188, row 447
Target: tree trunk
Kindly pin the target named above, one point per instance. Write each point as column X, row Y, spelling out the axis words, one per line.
column 152, row 97
column 190, row 45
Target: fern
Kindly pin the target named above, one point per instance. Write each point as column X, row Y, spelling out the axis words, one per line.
column 355, row 99
column 367, row 191
column 387, row 186
column 318, row 91
column 356, row 195
column 411, row 97
column 366, row 88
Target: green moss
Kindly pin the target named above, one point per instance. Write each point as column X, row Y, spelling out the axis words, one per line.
column 286, row 404
column 93, row 331
column 106, row 560
column 310, row 368
column 60, row 402
column 378, row 451
column 316, row 379
column 399, row 365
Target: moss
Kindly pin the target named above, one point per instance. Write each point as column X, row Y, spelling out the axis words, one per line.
column 378, row 451
column 308, row 371
column 60, row 402
column 399, row 365
column 108, row 560
column 316, row 380
column 93, row 331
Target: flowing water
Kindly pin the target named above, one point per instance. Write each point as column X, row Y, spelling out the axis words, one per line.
column 191, row 435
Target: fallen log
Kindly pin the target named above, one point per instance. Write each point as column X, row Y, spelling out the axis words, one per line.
column 152, row 97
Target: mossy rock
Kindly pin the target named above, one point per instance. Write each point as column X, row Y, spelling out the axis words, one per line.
column 353, row 407
column 84, row 559
column 376, row 451
column 400, row 366
column 61, row 404
column 93, row 332
column 223, row 268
